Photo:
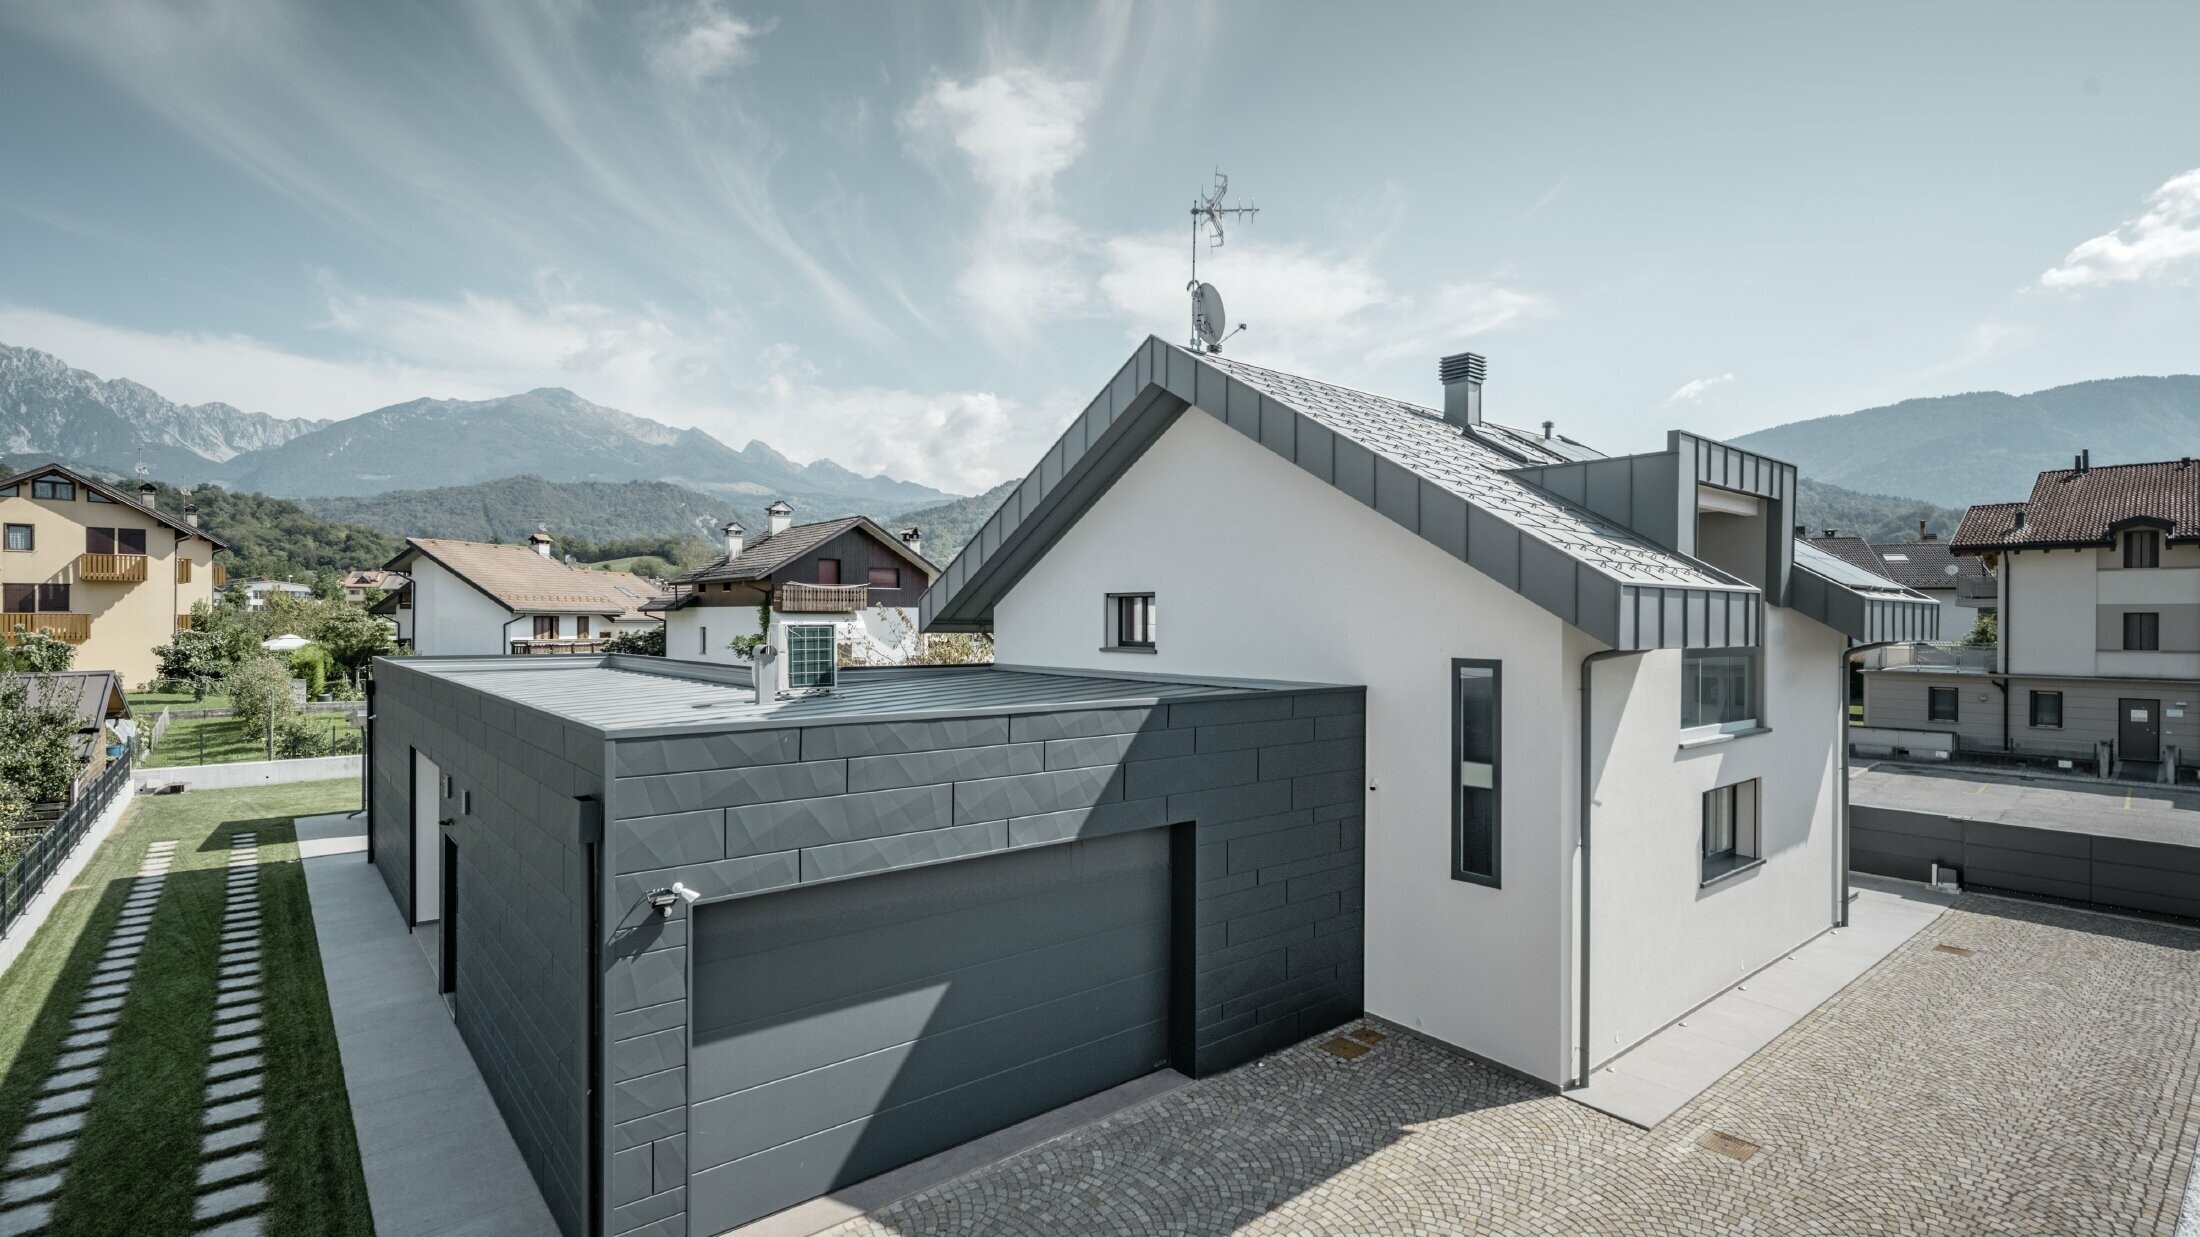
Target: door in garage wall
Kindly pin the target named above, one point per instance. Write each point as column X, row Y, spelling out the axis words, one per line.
column 846, row 1029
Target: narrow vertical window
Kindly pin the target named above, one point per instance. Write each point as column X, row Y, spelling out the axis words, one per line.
column 702, row 642
column 2143, row 549
column 1476, row 719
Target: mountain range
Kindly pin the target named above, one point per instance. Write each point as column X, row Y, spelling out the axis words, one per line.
column 1987, row 446
column 49, row 409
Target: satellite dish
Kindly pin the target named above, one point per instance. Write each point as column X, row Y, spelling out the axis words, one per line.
column 1213, row 322
column 1951, row 569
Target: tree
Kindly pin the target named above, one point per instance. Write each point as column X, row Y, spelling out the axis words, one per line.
column 259, row 690
column 37, row 755
column 194, row 659
column 36, row 652
column 1985, row 633
column 649, row 643
column 351, row 635
column 328, row 585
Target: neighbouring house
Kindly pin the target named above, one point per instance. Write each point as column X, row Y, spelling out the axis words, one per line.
column 1308, row 702
column 475, row 597
column 258, row 589
column 849, row 572
column 95, row 698
column 1960, row 583
column 2098, row 596
column 105, row 570
column 360, row 581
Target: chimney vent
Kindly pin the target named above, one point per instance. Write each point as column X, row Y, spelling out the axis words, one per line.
column 191, row 513
column 539, row 542
column 1833, row 532
column 149, row 494
column 1547, row 430
column 1462, row 373
column 733, row 531
column 1802, row 530
column 2020, row 519
column 781, row 517
column 913, row 537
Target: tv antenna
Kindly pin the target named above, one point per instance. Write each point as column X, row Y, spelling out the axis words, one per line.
column 139, row 468
column 1210, row 325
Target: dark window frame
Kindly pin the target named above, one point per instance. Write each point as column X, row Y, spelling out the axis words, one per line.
column 2151, row 553
column 883, row 577
column 2033, row 710
column 1933, row 697
column 1121, row 607
column 1494, row 878
column 822, row 572
column 94, row 496
column 30, row 538
column 2146, row 636
column 1753, row 680
column 53, row 489
column 54, row 599
column 540, row 620
column 1744, row 833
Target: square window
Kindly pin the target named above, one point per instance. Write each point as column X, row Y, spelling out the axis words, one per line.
column 1130, row 621
column 1940, row 704
column 1476, row 722
column 21, row 537
column 2143, row 549
column 53, row 598
column 828, row 571
column 1719, row 689
column 885, row 577
column 2047, row 709
column 1729, row 829
column 2142, row 631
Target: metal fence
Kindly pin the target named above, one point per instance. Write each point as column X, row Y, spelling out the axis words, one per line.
column 22, row 880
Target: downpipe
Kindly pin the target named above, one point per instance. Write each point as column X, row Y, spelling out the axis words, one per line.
column 1841, row 783
column 1581, row 844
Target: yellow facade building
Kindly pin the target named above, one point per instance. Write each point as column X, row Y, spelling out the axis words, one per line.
column 106, row 571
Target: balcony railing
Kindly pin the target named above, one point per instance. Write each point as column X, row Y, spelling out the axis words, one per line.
column 820, row 598
column 110, row 568
column 68, row 628
column 527, row 648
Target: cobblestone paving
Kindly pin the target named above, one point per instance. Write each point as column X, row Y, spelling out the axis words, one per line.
column 2043, row 1084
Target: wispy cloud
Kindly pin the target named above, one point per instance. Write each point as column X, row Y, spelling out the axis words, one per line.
column 1015, row 131
column 1693, row 391
column 699, row 41
column 2160, row 245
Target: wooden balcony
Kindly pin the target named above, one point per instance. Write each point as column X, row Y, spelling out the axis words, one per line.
column 533, row 648
column 68, row 628
column 820, row 598
column 110, row 568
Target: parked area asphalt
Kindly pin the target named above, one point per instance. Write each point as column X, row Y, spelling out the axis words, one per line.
column 2075, row 805
column 2014, row 1068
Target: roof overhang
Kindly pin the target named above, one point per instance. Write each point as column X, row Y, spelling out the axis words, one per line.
column 1866, row 608
column 117, row 496
column 1159, row 382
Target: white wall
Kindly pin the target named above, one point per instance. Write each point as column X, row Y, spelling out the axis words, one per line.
column 1259, row 571
column 452, row 617
column 1662, row 944
column 890, row 631
column 2048, row 611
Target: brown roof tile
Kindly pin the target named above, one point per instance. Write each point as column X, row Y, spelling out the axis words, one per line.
column 526, row 582
column 2077, row 507
column 760, row 558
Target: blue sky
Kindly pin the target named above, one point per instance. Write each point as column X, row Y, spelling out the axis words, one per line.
column 917, row 237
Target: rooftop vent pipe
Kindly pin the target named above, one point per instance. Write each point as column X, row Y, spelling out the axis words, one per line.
column 1547, row 430
column 1462, row 373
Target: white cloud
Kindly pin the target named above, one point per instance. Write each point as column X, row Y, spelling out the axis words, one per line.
column 1016, row 130
column 1693, row 391
column 2159, row 246
column 702, row 41
column 385, row 350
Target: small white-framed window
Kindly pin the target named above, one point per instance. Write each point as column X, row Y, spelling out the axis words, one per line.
column 1130, row 618
column 1730, row 838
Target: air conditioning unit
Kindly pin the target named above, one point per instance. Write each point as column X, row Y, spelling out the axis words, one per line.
column 812, row 665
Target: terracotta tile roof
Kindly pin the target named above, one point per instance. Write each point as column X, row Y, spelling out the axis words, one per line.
column 526, row 582
column 2088, row 506
column 1925, row 564
column 767, row 554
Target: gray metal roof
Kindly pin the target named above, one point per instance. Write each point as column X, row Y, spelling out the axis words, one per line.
column 1454, row 490
column 1849, row 599
column 629, row 696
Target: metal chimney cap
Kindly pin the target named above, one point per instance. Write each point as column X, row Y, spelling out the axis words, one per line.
column 1462, row 367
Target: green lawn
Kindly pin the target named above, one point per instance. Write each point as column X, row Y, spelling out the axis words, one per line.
column 147, row 705
column 220, row 740
column 136, row 1161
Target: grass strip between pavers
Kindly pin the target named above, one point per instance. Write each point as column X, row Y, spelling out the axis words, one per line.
column 136, row 1165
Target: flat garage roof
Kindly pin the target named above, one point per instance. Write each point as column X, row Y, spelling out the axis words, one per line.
column 632, row 695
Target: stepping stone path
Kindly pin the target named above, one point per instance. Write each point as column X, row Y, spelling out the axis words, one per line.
column 36, row 1164
column 231, row 1162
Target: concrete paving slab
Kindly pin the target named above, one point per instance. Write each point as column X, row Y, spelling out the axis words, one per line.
column 405, row 1066
column 1652, row 1080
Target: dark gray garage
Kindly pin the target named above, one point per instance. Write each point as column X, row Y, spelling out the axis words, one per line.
column 845, row 1030
column 930, row 905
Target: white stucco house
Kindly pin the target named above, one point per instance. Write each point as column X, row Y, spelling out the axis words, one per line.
column 1604, row 695
column 849, row 572
column 476, row 597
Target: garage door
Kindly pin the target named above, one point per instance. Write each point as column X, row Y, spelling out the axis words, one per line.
column 848, row 1029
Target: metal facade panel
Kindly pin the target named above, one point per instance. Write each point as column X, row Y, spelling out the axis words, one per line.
column 1355, row 470
column 1612, row 490
column 1243, row 411
column 1655, row 496
column 1317, row 450
column 1547, row 579
column 1278, row 428
column 1398, row 494
column 1444, row 520
column 1493, row 547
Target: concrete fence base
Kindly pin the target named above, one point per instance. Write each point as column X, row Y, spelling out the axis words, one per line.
column 251, row 773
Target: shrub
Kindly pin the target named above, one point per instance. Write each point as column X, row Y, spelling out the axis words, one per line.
column 297, row 737
column 259, row 688
column 649, row 643
column 313, row 664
